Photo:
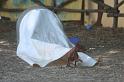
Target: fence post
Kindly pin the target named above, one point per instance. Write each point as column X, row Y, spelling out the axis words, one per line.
column 82, row 13
column 115, row 19
column 100, row 14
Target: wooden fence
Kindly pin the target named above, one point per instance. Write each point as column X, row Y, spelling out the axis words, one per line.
column 102, row 8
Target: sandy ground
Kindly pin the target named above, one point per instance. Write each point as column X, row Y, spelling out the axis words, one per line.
column 103, row 43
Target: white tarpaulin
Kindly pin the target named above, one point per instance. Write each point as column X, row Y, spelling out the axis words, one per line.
column 41, row 38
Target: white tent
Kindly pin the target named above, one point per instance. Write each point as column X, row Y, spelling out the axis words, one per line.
column 41, row 38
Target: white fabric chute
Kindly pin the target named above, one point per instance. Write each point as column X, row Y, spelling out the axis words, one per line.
column 40, row 37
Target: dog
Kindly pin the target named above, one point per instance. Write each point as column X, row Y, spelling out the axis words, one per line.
column 73, row 55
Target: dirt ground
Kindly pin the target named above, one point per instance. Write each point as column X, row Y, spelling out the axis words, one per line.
column 100, row 42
